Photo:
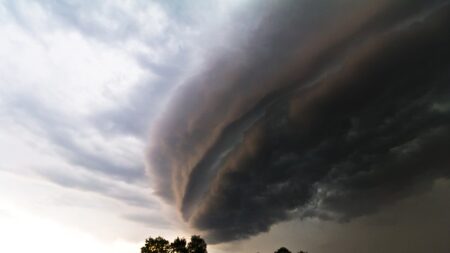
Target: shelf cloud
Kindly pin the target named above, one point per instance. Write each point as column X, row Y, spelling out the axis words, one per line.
column 326, row 109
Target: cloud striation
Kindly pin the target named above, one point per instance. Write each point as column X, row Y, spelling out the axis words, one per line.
column 329, row 110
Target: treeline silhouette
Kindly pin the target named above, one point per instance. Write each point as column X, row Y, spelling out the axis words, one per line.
column 180, row 245
column 285, row 250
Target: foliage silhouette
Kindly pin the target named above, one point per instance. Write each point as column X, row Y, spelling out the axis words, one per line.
column 285, row 250
column 156, row 245
column 179, row 245
column 197, row 245
column 282, row 250
column 161, row 245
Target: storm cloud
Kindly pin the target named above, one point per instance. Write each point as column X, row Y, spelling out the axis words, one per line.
column 326, row 109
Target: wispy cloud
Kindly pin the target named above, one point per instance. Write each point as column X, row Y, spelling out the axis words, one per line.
column 81, row 84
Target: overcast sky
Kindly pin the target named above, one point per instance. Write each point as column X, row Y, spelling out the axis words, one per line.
column 317, row 125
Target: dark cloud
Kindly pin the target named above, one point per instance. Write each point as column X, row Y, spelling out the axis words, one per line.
column 416, row 224
column 331, row 109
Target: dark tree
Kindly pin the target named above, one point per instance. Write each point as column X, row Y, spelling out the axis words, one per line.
column 156, row 245
column 282, row 250
column 197, row 245
column 179, row 246
column 161, row 245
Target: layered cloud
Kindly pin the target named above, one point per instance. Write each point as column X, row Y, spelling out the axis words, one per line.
column 326, row 109
column 80, row 85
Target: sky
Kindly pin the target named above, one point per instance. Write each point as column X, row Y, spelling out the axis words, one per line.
column 316, row 125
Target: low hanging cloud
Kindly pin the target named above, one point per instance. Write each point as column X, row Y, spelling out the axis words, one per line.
column 329, row 109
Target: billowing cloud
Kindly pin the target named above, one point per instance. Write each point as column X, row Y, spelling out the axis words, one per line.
column 327, row 109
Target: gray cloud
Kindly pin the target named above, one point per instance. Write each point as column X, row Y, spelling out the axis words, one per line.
column 134, row 117
column 153, row 221
column 415, row 224
column 59, row 129
column 95, row 19
column 331, row 110
column 145, row 100
column 104, row 187
column 143, row 30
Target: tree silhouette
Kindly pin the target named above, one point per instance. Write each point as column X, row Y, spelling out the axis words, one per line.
column 197, row 245
column 156, row 245
column 178, row 246
column 282, row 250
column 161, row 245
column 285, row 250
